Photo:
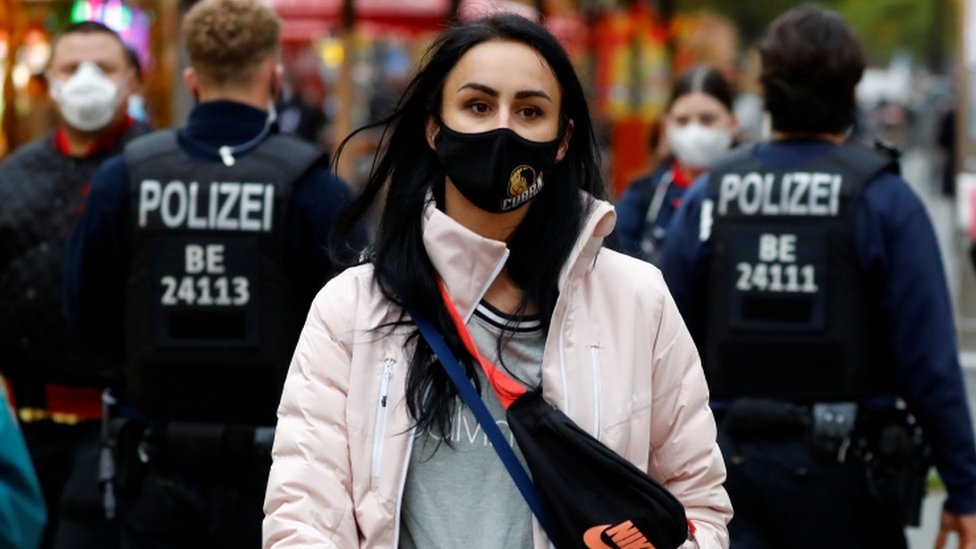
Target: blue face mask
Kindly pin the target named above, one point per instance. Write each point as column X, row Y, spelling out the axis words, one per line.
column 498, row 170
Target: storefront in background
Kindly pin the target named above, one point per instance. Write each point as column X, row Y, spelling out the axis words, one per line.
column 25, row 42
column 352, row 66
column 636, row 53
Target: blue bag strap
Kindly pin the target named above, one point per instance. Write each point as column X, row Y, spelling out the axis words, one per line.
column 481, row 413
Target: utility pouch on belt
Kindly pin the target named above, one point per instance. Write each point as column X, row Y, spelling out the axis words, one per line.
column 191, row 446
column 896, row 460
column 833, row 423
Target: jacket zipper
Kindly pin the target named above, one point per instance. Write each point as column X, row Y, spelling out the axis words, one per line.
column 562, row 362
column 597, row 389
column 382, row 413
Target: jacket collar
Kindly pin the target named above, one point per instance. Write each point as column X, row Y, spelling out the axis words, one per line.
column 104, row 144
column 468, row 262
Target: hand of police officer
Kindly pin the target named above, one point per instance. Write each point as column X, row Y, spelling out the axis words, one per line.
column 963, row 525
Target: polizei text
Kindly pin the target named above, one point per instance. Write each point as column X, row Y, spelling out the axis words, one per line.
column 789, row 194
column 219, row 206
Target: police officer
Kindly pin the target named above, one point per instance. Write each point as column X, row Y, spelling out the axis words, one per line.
column 42, row 189
column 810, row 277
column 194, row 264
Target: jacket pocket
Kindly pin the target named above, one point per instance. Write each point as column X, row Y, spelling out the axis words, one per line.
column 382, row 415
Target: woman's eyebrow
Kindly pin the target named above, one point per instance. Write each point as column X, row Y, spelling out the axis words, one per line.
column 533, row 93
column 480, row 87
column 494, row 93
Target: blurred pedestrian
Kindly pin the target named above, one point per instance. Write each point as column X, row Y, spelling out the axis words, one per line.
column 700, row 125
column 373, row 448
column 946, row 140
column 56, row 393
column 194, row 265
column 22, row 512
column 810, row 277
column 296, row 115
column 137, row 103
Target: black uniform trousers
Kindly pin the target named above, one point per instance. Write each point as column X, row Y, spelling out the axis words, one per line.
column 205, row 504
column 784, row 496
column 65, row 458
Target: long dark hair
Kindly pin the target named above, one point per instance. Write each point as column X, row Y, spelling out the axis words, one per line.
column 408, row 169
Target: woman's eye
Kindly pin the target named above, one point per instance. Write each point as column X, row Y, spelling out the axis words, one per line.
column 478, row 108
column 530, row 112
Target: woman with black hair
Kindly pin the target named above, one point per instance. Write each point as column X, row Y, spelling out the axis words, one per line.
column 700, row 127
column 492, row 189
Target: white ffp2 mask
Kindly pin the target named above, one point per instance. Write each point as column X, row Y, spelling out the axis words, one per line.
column 88, row 99
column 697, row 146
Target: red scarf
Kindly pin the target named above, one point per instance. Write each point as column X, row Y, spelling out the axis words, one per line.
column 104, row 142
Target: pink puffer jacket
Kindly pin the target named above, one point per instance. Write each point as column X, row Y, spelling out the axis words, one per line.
column 618, row 360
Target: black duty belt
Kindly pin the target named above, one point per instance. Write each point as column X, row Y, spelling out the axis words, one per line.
column 764, row 418
column 205, row 446
column 832, row 428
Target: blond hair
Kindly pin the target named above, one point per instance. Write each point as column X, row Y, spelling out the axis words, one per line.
column 227, row 40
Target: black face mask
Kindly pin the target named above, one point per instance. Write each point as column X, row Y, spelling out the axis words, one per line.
column 497, row 170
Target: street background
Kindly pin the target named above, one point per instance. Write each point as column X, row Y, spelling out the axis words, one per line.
column 921, row 170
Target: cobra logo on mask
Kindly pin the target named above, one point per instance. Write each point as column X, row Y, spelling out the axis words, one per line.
column 523, row 185
column 497, row 170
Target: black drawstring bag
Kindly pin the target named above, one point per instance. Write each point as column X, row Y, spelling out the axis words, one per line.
column 591, row 497
column 583, row 494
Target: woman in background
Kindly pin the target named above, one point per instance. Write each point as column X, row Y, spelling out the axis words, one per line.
column 699, row 127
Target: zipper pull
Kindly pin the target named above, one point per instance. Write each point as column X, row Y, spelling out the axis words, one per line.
column 387, row 377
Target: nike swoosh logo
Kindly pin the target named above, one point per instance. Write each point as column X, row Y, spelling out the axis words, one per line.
column 593, row 537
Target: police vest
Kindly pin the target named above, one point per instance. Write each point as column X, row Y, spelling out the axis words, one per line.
column 790, row 313
column 211, row 321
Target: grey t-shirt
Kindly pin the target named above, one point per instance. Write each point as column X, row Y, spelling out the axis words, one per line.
column 461, row 495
